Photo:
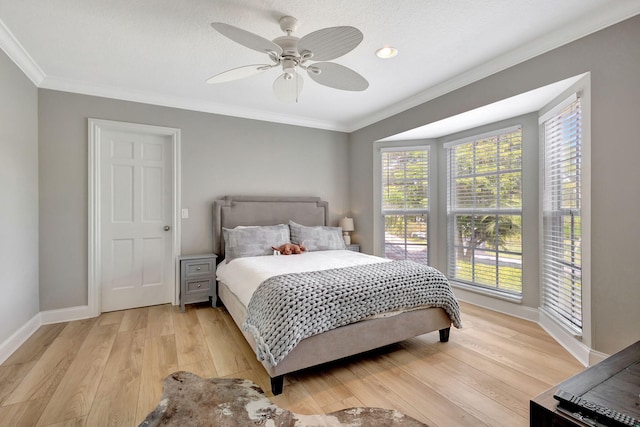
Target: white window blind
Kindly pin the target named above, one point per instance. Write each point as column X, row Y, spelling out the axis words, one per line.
column 405, row 202
column 562, row 225
column 484, row 210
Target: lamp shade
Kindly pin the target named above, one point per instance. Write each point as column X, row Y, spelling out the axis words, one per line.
column 346, row 224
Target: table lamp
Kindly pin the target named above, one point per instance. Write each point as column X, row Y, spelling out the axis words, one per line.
column 347, row 226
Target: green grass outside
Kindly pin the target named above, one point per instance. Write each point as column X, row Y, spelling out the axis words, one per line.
column 509, row 278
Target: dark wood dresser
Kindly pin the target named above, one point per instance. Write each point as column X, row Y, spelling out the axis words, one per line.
column 613, row 383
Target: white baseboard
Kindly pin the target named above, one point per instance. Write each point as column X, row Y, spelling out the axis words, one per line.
column 502, row 306
column 596, row 357
column 584, row 354
column 579, row 350
column 12, row 343
column 65, row 314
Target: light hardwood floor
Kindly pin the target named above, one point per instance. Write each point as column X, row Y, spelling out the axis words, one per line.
column 108, row 370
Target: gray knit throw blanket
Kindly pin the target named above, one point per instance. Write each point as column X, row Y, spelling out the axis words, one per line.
column 288, row 308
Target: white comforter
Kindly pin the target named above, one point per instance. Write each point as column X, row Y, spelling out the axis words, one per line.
column 244, row 275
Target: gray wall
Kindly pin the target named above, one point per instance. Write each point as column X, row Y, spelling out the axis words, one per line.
column 613, row 58
column 19, row 195
column 220, row 156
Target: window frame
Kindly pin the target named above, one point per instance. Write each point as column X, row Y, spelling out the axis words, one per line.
column 453, row 212
column 550, row 208
column 412, row 211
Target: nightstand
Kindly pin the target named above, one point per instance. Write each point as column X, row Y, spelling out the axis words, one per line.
column 197, row 279
column 353, row 247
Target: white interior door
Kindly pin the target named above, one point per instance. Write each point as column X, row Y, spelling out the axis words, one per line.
column 136, row 216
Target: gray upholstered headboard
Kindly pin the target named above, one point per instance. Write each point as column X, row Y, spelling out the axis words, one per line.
column 233, row 211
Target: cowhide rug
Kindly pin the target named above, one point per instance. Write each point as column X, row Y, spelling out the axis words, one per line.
column 189, row 400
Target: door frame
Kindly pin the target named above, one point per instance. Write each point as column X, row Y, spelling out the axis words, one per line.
column 96, row 127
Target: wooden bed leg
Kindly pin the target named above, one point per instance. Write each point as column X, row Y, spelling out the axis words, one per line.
column 276, row 384
column 444, row 334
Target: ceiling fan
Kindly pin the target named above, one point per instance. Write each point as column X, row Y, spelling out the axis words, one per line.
column 293, row 53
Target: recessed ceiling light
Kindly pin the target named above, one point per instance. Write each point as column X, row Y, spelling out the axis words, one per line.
column 386, row 52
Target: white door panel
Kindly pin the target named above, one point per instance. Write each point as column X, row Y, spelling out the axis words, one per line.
column 136, row 197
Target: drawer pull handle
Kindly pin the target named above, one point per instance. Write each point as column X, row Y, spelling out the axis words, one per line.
column 198, row 268
column 199, row 285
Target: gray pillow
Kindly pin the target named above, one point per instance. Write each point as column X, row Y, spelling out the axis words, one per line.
column 317, row 238
column 253, row 241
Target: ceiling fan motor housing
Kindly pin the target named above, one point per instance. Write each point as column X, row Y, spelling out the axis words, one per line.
column 289, row 67
column 289, row 45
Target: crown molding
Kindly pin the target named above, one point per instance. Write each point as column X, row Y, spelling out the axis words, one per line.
column 582, row 28
column 14, row 50
column 73, row 86
column 17, row 53
column 523, row 53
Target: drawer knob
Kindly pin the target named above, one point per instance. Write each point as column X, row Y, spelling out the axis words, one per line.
column 199, row 285
column 198, row 268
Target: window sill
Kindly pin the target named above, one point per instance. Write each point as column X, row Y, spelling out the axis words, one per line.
column 517, row 299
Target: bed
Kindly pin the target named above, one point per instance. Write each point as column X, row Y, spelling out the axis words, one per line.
column 237, row 212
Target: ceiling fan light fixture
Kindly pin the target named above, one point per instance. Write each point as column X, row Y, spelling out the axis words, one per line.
column 293, row 54
column 386, row 52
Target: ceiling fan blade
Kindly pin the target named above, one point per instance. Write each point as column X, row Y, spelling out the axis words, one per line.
column 330, row 43
column 246, row 38
column 287, row 87
column 239, row 73
column 337, row 76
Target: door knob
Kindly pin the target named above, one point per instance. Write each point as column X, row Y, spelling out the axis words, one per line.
column 167, row 227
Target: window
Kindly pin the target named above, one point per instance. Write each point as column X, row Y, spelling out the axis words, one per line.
column 562, row 225
column 405, row 203
column 484, row 211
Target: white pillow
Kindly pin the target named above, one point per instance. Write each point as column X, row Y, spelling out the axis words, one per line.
column 253, row 241
column 317, row 238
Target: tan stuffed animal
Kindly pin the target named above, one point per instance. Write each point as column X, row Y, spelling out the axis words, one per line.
column 289, row 248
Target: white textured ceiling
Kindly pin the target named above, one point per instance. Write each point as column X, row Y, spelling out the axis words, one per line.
column 162, row 51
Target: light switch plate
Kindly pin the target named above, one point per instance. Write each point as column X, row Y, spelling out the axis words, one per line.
column 185, row 213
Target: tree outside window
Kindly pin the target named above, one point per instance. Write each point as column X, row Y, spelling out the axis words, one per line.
column 405, row 203
column 485, row 210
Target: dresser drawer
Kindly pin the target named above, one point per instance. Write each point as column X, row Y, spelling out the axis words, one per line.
column 194, row 268
column 198, row 286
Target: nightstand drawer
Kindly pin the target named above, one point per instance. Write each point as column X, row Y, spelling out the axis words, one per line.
column 199, row 286
column 198, row 268
column 197, row 279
